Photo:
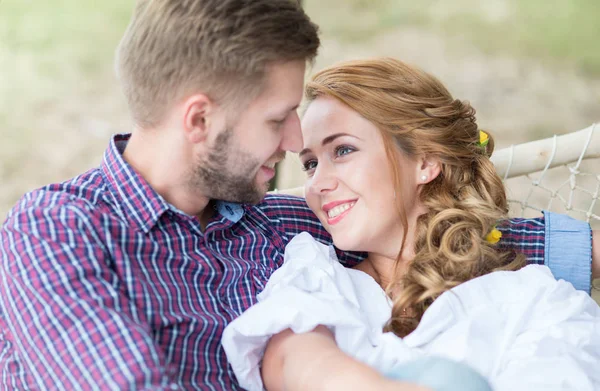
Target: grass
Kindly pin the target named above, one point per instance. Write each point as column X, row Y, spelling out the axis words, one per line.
column 47, row 47
column 50, row 53
column 560, row 33
column 361, row 20
column 564, row 32
column 83, row 28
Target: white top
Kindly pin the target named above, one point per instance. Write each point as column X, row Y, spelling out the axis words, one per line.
column 522, row 330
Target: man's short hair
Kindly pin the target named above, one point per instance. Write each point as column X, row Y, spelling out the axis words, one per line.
column 173, row 48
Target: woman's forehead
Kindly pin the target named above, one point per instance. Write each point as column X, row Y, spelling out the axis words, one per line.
column 326, row 116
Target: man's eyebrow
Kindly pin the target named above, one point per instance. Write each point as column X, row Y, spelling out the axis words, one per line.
column 292, row 109
column 327, row 140
column 304, row 152
column 285, row 112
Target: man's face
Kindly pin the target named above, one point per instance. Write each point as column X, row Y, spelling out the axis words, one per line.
column 241, row 162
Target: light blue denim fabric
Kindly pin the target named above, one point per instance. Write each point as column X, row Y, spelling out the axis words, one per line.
column 441, row 374
column 568, row 250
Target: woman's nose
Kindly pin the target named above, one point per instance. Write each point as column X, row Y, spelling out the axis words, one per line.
column 323, row 179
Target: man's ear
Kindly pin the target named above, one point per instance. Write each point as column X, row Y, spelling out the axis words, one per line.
column 428, row 169
column 200, row 116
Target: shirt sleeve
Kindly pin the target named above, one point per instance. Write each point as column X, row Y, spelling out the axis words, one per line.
column 526, row 236
column 562, row 243
column 293, row 216
column 568, row 250
column 65, row 313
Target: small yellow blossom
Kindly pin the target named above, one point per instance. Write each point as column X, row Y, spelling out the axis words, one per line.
column 484, row 138
column 494, row 236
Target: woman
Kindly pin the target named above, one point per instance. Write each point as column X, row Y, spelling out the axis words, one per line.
column 398, row 168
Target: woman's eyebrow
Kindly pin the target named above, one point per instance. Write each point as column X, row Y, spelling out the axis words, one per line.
column 327, row 140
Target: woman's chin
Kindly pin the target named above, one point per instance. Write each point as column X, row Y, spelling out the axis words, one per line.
column 344, row 245
column 341, row 243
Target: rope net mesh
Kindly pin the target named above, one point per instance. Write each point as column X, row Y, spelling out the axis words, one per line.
column 559, row 174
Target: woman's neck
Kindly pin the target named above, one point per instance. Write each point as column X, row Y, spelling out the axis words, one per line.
column 384, row 269
column 383, row 266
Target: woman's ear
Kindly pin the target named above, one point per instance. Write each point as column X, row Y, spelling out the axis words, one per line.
column 428, row 169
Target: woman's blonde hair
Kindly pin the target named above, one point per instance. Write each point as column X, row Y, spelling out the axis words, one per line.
column 418, row 117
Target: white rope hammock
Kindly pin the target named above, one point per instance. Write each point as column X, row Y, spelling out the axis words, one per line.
column 561, row 168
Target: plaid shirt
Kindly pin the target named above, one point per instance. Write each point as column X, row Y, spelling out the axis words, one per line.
column 104, row 285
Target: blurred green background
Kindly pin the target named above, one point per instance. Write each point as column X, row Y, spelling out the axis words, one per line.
column 530, row 67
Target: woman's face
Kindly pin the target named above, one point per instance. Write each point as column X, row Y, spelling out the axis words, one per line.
column 349, row 182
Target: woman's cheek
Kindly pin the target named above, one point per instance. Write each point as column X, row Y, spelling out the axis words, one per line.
column 312, row 202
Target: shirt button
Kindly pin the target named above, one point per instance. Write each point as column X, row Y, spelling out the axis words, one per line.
column 173, row 386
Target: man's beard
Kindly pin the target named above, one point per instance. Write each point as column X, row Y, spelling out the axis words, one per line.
column 227, row 174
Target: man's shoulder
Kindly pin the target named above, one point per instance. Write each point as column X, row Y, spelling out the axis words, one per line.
column 81, row 196
column 290, row 215
column 283, row 206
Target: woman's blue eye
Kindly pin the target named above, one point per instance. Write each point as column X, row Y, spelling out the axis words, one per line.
column 343, row 150
column 340, row 151
column 309, row 165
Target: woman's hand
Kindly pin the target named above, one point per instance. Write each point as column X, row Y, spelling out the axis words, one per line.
column 312, row 361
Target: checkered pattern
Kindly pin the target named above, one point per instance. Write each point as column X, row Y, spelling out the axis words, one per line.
column 104, row 285
column 525, row 236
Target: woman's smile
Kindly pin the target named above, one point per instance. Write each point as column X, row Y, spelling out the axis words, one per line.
column 336, row 211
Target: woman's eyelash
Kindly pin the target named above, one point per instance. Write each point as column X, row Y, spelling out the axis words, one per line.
column 306, row 166
column 339, row 151
column 341, row 148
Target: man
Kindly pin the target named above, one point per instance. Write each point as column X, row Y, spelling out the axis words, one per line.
column 125, row 277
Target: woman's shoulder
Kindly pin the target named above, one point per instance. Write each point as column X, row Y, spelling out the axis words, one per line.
column 532, row 288
column 502, row 286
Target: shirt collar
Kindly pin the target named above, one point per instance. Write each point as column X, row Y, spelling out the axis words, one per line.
column 231, row 211
column 137, row 199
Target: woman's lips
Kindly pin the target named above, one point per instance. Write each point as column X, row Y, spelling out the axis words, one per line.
column 336, row 213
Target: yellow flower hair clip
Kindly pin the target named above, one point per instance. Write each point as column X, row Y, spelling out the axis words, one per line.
column 494, row 236
column 484, row 139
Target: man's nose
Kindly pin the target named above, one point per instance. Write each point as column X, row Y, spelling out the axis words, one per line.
column 292, row 134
